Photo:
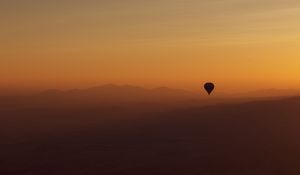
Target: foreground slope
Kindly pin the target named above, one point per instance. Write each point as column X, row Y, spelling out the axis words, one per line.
column 256, row 138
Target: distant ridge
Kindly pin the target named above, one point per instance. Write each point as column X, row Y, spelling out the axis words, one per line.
column 116, row 94
column 112, row 88
column 271, row 93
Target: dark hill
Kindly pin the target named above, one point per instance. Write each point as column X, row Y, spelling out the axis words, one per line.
column 255, row 138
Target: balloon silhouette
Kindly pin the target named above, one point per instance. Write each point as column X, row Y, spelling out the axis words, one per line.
column 209, row 87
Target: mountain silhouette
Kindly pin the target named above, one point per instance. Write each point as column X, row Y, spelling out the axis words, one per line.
column 114, row 94
column 270, row 93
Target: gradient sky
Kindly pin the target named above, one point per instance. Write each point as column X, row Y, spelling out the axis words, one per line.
column 239, row 44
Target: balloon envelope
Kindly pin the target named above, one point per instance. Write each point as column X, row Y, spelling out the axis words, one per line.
column 209, row 87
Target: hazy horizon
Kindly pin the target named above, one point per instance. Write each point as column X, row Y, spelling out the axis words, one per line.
column 200, row 91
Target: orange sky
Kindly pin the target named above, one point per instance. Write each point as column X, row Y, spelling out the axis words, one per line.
column 239, row 44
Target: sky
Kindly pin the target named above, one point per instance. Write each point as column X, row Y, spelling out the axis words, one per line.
column 240, row 45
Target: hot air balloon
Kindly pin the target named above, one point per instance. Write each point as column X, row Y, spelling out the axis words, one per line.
column 209, row 87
